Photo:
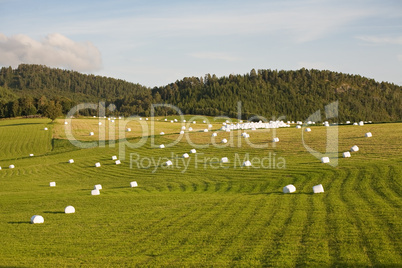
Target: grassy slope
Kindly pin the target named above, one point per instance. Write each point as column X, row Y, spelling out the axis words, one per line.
column 209, row 215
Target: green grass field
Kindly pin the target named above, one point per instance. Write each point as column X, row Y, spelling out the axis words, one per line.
column 199, row 212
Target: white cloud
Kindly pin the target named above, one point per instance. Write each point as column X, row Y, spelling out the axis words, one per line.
column 54, row 50
column 381, row 40
column 213, row 56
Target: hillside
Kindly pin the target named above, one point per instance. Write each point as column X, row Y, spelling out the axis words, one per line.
column 267, row 93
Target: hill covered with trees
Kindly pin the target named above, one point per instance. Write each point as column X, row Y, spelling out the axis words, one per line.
column 29, row 89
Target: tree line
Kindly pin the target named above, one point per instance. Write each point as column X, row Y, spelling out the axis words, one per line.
column 30, row 89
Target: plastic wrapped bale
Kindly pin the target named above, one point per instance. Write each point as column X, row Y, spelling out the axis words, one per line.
column 205, row 130
column 361, row 123
column 65, row 123
column 45, row 128
column 91, row 133
column 289, row 189
column 318, row 189
column 161, row 146
column 225, row 160
column 224, row 141
column 133, row 184
column 355, row 123
column 183, row 128
column 168, row 163
column 117, row 162
column 193, row 151
column 246, row 163
column 308, row 129
column 0, row 168
column 114, row 157
column 346, row 154
column 298, row 126
column 100, row 123
column 37, row 219
column 95, row 192
column 98, row 187
column 71, row 161
column 162, row 133
column 11, row 166
column 354, row 148
column 31, row 155
column 97, row 164
column 275, row 140
column 181, row 132
column 325, row 159
column 185, row 155
column 214, row 134
column 368, row 135
column 209, row 126
column 69, row 210
column 128, row 129
column 52, row 184
column 190, row 129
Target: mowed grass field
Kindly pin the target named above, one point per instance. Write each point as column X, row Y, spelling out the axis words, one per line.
column 198, row 212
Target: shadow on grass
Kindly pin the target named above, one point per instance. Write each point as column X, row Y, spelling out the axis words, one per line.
column 19, row 222
column 54, row 212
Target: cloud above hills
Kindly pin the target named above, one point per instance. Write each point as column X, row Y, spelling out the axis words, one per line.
column 55, row 50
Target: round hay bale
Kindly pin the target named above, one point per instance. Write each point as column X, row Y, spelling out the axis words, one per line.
column 354, row 148
column 161, row 146
column 193, row 151
column 185, row 155
column 325, row 159
column 37, row 219
column 69, row 210
column 225, row 160
column 246, row 163
column 289, row 189
column 52, row 184
column 346, row 154
column 11, row 166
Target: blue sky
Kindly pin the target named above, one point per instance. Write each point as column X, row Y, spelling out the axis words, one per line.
column 158, row 42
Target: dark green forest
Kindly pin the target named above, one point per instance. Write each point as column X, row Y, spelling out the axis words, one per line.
column 34, row 90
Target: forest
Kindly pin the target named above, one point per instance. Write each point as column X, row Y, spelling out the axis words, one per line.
column 36, row 90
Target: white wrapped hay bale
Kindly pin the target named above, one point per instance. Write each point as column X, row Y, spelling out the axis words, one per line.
column 31, row 155
column 95, row 192
column 246, row 163
column 117, row 162
column 91, row 133
column 361, row 123
column 355, row 123
column 214, row 134
column 69, row 210
column 37, row 219
column 368, row 135
column 100, row 123
column 0, row 168
column 45, row 128
column 308, row 129
column 289, row 189
column 97, row 164
column 225, row 160
column 65, row 123
column 193, row 151
column 181, row 132
column 161, row 146
column 98, row 187
column 52, row 184
column 325, row 159
column 168, row 163
column 318, row 189
column 346, row 154
column 210, row 126
column 224, row 141
column 133, row 184
column 298, row 126
column 185, row 155
column 114, row 157
column 183, row 128
column 11, row 166
column 162, row 133
column 128, row 129
column 190, row 129
column 275, row 140
column 205, row 130
column 71, row 161
column 354, row 148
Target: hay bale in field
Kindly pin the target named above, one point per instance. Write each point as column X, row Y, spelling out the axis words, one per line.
column 361, row 123
column 185, row 155
column 45, row 128
column 318, row 189
column 168, row 163
column 91, row 133
column 224, row 141
column 65, row 123
column 346, row 154
column 71, row 161
column 133, row 184
column 97, row 164
column 194, row 122
column 162, row 133
column 95, row 192
column 69, row 210
column 183, row 128
column 308, row 129
column 52, row 184
column 128, row 129
column 354, row 148
column 214, row 134
column 347, row 122
column 355, row 124
column 368, row 135
column 190, row 129
column 298, row 126
column 275, row 140
column 31, row 155
column 225, row 160
column 193, row 151
column 11, row 166
column 181, row 132
column 100, row 123
column 117, row 162
column 0, row 168
column 37, row 219
column 209, row 126
column 325, row 159
column 246, row 163
column 98, row 187
column 114, row 157
column 289, row 189
column 205, row 130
